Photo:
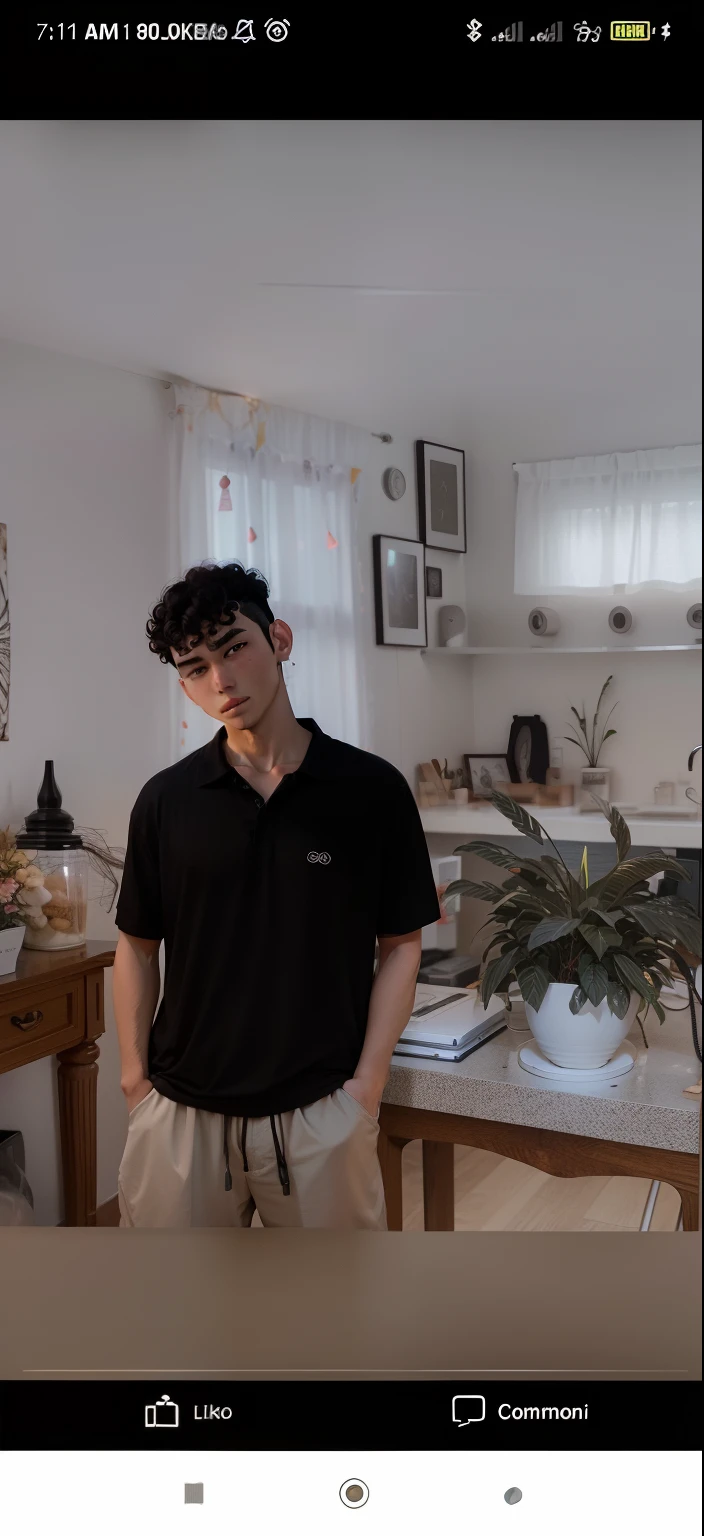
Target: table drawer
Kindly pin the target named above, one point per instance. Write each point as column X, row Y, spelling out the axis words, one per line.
column 43, row 1021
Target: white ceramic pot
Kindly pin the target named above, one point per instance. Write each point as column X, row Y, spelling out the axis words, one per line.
column 585, row 1039
column 11, row 940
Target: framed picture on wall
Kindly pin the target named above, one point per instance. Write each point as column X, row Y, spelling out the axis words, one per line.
column 484, row 771
column 442, row 520
column 399, row 591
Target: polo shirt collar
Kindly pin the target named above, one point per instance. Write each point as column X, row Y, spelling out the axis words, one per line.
column 212, row 765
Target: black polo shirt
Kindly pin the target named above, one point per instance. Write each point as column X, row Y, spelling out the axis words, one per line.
column 269, row 911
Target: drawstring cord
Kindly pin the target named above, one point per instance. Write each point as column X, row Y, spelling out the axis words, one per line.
column 280, row 1159
column 281, row 1164
column 228, row 1176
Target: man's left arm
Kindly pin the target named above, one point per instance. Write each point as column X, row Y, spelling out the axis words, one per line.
column 390, row 1007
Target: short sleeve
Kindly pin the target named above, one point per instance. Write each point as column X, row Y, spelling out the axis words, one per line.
column 408, row 897
column 139, row 905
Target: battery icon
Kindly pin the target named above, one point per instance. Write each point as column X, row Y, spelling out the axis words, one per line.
column 630, row 31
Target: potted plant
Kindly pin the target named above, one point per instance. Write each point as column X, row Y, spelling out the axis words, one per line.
column 587, row 959
column 595, row 781
column 12, row 924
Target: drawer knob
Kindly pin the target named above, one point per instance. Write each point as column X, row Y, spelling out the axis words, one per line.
column 34, row 1017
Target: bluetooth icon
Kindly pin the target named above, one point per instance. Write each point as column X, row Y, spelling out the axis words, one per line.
column 474, row 31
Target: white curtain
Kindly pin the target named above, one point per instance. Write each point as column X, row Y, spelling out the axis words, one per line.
column 276, row 490
column 617, row 519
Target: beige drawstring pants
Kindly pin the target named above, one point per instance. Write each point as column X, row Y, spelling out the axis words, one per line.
column 173, row 1170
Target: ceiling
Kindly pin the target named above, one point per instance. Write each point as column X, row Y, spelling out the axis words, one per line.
column 558, row 263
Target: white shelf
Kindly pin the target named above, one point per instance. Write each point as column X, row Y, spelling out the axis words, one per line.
column 565, row 823
column 552, row 650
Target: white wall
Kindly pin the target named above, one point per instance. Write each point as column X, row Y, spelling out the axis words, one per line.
column 83, row 480
column 658, row 719
column 427, row 706
column 420, row 707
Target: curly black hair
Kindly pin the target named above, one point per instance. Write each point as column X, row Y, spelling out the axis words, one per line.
column 209, row 595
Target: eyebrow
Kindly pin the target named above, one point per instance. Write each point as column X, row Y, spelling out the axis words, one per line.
column 224, row 640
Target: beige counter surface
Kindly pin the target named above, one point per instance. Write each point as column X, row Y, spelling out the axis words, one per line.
column 646, row 1107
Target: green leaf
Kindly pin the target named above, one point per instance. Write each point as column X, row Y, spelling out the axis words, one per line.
column 662, row 920
column 483, row 891
column 493, row 852
column 550, row 870
column 578, row 999
column 532, row 887
column 550, row 929
column 605, row 733
column 581, row 746
column 518, row 815
column 612, row 917
column 565, row 883
column 601, row 695
column 599, row 939
column 496, row 971
column 634, row 978
column 533, row 981
column 618, row 998
column 617, row 826
column 494, row 943
column 614, row 885
column 593, row 978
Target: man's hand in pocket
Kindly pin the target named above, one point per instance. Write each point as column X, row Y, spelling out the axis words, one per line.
column 136, row 1092
column 366, row 1093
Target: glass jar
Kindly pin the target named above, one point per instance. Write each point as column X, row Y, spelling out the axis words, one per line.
column 55, row 911
column 54, row 897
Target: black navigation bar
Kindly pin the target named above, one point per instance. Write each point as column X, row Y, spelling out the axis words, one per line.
column 336, row 1415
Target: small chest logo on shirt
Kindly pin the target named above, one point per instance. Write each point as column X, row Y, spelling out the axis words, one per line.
column 319, row 858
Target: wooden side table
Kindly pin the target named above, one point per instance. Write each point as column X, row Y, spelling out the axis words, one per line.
column 555, row 1152
column 53, row 1005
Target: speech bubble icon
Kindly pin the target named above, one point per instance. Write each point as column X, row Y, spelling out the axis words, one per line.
column 468, row 1410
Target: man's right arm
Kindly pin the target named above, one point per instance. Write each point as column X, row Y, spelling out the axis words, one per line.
column 136, row 984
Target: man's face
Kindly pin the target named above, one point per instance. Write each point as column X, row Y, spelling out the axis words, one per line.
column 232, row 674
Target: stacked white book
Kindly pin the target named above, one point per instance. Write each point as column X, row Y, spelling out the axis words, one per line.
column 447, row 1023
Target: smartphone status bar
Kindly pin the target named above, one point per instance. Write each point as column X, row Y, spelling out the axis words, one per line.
column 582, row 32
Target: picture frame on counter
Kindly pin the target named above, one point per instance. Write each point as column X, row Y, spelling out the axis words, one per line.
column 442, row 506
column 485, row 771
column 399, row 591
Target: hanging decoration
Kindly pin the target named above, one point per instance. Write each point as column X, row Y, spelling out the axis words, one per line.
column 332, row 543
column 251, row 536
column 225, row 503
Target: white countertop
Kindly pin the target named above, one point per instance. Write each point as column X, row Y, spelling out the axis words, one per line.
column 646, row 1107
column 566, row 824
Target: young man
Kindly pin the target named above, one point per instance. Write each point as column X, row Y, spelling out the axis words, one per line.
column 268, row 861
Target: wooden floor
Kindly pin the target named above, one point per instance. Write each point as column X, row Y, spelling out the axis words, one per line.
column 494, row 1194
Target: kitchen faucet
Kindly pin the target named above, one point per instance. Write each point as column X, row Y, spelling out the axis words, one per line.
column 692, row 756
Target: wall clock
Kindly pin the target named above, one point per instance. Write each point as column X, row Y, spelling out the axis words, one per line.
column 393, row 483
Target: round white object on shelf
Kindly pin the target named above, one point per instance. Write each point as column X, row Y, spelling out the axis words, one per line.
column 620, row 620
column 543, row 621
